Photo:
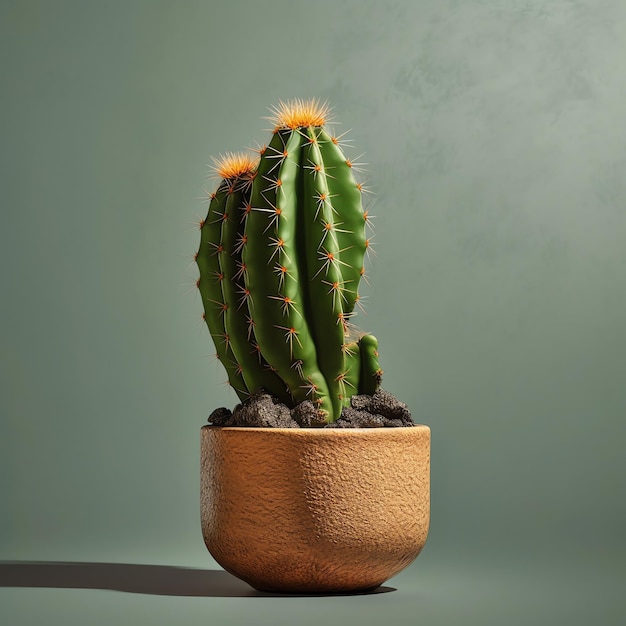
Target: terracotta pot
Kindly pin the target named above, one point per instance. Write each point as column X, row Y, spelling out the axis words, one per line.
column 315, row 510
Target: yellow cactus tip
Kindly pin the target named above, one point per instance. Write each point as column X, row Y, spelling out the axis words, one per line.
column 298, row 113
column 235, row 165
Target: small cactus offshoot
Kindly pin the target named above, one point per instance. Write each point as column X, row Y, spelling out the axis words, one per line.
column 281, row 259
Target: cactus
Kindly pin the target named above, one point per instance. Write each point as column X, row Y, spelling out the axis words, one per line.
column 280, row 260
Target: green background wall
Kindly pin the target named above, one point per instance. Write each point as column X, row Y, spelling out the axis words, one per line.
column 496, row 141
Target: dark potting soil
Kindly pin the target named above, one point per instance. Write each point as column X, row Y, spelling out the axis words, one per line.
column 262, row 410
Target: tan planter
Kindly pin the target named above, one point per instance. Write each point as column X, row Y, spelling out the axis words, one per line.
column 315, row 510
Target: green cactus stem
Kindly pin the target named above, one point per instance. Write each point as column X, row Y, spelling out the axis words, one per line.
column 222, row 282
column 281, row 259
column 371, row 373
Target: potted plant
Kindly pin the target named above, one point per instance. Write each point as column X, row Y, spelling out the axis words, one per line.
column 292, row 498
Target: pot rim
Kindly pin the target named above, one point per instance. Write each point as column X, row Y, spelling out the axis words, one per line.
column 319, row 430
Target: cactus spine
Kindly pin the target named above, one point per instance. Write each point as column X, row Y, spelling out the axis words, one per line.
column 280, row 259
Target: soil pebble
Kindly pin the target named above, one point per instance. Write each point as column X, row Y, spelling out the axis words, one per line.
column 262, row 410
column 384, row 405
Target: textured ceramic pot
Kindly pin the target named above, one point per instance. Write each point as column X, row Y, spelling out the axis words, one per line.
column 315, row 510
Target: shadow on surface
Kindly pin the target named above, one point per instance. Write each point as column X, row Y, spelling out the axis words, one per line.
column 159, row 580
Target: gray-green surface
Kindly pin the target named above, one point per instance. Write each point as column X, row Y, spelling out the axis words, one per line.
column 496, row 138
